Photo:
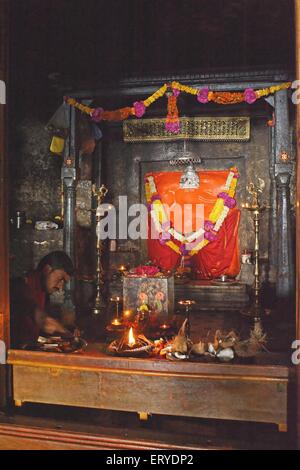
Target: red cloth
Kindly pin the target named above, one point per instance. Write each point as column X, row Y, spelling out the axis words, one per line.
column 222, row 255
column 26, row 296
column 218, row 257
column 35, row 288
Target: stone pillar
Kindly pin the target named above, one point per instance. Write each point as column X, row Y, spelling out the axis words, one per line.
column 297, row 394
column 282, row 124
column 283, row 170
column 69, row 179
column 69, row 175
column 285, row 277
column 273, row 228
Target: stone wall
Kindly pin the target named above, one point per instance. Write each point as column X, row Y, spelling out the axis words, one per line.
column 35, row 171
column 35, row 188
column 124, row 165
column 36, row 184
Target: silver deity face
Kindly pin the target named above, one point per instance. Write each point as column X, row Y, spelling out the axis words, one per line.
column 189, row 178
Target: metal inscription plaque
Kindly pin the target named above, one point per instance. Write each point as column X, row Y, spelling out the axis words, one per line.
column 212, row 129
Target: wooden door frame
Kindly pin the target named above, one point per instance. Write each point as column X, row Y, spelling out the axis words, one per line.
column 297, row 48
column 4, row 239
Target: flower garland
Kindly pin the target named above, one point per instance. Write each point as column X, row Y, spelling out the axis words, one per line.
column 193, row 243
column 204, row 95
column 172, row 121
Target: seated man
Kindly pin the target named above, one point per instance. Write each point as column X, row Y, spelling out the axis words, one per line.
column 30, row 295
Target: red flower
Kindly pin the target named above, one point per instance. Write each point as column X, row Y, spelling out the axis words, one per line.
column 144, row 270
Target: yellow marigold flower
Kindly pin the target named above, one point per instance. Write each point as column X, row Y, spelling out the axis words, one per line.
column 173, row 246
column 217, row 210
column 264, row 91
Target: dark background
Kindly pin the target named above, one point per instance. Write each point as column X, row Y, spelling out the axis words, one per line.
column 69, row 44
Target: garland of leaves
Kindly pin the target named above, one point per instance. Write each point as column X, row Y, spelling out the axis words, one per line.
column 173, row 90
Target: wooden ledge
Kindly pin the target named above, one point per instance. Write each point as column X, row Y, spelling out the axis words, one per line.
column 94, row 360
column 14, row 437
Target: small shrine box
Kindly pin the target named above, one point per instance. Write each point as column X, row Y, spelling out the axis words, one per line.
column 149, row 294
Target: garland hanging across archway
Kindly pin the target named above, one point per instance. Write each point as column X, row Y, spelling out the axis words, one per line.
column 173, row 90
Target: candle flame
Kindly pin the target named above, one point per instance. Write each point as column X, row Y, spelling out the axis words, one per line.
column 131, row 340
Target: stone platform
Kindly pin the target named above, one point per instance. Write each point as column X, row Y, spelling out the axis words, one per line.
column 206, row 295
column 209, row 296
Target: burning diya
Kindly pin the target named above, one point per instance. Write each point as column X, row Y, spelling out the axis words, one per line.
column 129, row 345
column 166, row 330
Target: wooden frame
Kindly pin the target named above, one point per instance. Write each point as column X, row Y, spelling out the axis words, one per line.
column 190, row 389
column 4, row 245
column 4, row 252
column 297, row 29
column 21, row 437
column 4, row 275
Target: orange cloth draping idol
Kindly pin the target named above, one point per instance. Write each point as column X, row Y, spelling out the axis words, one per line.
column 220, row 256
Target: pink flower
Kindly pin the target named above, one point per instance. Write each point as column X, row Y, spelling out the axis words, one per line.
column 208, row 225
column 96, row 114
column 173, row 127
column 209, row 236
column 144, row 270
column 139, row 108
column 176, row 92
column 230, row 202
column 223, row 195
column 249, row 95
column 183, row 250
column 155, row 197
column 202, row 95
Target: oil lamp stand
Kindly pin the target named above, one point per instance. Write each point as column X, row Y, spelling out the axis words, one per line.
column 117, row 321
column 256, row 208
column 99, row 302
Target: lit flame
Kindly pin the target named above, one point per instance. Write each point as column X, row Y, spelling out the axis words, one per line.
column 131, row 340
